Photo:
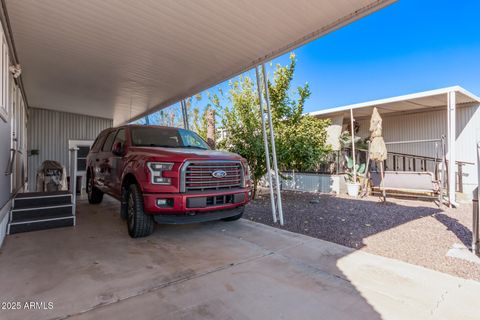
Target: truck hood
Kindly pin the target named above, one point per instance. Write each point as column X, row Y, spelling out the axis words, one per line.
column 182, row 154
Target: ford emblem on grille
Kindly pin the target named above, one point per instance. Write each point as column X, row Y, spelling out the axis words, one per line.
column 219, row 174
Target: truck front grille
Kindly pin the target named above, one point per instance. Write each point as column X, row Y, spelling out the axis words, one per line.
column 198, row 176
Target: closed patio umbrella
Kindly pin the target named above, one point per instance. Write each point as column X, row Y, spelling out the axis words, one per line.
column 378, row 150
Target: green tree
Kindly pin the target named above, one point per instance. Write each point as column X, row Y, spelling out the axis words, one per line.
column 302, row 146
column 300, row 139
column 243, row 125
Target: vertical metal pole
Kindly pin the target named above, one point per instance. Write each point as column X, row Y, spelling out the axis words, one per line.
column 451, row 148
column 265, row 141
column 353, row 147
column 478, row 168
column 73, row 181
column 475, row 223
column 476, row 210
column 442, row 173
column 274, row 151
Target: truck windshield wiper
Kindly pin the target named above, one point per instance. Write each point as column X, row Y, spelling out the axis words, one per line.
column 167, row 146
column 193, row 147
column 157, row 145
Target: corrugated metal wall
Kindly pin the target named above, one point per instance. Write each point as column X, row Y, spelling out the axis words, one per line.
column 407, row 127
column 49, row 132
column 422, row 126
column 468, row 134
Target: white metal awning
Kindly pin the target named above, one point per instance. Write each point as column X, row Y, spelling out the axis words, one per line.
column 449, row 99
column 415, row 102
column 121, row 59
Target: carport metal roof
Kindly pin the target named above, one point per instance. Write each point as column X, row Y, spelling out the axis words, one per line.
column 420, row 101
column 124, row 59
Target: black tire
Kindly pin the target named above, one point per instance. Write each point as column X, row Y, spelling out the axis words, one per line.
column 95, row 196
column 139, row 223
column 235, row 218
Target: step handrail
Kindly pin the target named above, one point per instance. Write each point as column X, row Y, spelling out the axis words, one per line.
column 73, row 180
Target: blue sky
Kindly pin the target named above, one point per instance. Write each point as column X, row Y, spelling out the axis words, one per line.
column 408, row 47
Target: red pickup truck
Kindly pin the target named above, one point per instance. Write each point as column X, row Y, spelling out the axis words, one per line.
column 166, row 175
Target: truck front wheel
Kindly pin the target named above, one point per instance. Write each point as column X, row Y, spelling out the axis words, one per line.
column 139, row 223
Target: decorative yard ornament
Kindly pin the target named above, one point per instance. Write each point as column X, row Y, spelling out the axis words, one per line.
column 378, row 150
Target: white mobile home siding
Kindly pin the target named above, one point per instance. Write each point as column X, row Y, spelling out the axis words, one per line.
column 5, row 180
column 468, row 134
column 12, row 125
column 49, row 132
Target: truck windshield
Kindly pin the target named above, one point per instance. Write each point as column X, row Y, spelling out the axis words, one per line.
column 167, row 138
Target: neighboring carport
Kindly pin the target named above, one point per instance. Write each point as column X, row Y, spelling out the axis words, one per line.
column 414, row 123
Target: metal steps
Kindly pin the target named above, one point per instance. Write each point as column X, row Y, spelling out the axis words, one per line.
column 41, row 210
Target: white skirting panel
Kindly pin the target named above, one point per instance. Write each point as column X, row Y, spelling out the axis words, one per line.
column 312, row 182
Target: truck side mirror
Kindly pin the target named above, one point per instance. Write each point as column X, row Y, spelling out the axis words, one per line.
column 118, row 149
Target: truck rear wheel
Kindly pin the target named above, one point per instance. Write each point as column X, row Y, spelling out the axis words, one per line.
column 234, row 218
column 95, row 196
column 139, row 223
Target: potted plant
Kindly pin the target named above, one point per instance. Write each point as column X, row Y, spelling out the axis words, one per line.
column 353, row 180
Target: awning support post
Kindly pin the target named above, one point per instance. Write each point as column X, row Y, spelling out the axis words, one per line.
column 476, row 210
column 265, row 141
column 352, row 129
column 274, row 151
column 183, row 105
column 451, row 117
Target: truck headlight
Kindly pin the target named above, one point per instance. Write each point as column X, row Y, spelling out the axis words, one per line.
column 156, row 170
column 246, row 178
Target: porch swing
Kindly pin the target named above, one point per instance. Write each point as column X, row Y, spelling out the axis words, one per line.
column 418, row 184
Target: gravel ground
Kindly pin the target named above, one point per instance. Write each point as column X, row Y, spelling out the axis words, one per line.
column 414, row 231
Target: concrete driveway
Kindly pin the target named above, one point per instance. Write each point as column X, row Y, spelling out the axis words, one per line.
column 220, row 270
